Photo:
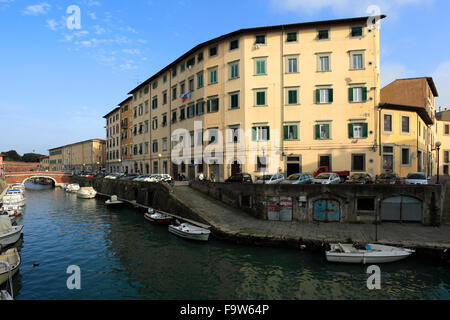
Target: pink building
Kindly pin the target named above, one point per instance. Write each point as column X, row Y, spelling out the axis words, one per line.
column 1, row 165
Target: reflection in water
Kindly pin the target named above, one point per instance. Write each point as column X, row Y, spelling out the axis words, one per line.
column 122, row 256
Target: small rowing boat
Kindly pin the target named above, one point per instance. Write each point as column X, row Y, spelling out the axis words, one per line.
column 157, row 216
column 366, row 254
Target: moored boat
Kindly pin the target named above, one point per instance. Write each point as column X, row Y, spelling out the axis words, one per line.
column 9, row 234
column 14, row 197
column 12, row 259
column 189, row 231
column 86, row 193
column 157, row 216
column 72, row 188
column 366, row 254
column 113, row 202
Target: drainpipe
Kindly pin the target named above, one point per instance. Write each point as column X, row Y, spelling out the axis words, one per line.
column 282, row 99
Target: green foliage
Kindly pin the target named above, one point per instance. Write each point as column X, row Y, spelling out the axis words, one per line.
column 12, row 155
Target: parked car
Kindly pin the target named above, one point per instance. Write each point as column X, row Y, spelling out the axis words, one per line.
column 100, row 175
column 240, row 178
column 324, row 169
column 129, row 176
column 299, row 178
column 270, row 179
column 388, row 178
column 360, row 178
column 416, row 178
column 327, row 178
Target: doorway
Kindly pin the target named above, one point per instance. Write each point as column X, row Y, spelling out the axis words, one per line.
column 325, row 161
column 293, row 165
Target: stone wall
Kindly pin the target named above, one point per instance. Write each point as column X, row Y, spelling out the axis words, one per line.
column 254, row 199
column 21, row 166
column 2, row 184
column 155, row 195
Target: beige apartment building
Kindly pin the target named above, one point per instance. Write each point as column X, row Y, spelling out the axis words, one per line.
column 442, row 131
column 113, row 144
column 278, row 99
column 86, row 156
column 44, row 163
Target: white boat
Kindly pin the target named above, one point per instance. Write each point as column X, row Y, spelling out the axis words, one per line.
column 4, row 294
column 188, row 231
column 157, row 216
column 18, row 186
column 14, row 198
column 366, row 254
column 72, row 188
column 113, row 202
column 86, row 193
column 9, row 234
column 8, row 270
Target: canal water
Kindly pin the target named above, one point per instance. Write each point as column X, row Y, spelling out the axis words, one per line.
column 122, row 256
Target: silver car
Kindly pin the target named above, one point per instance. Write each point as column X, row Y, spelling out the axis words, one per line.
column 327, row 178
column 270, row 179
column 416, row 178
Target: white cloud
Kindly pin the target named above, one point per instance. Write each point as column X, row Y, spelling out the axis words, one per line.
column 37, row 9
column 132, row 51
column 393, row 71
column 441, row 77
column 132, row 30
column 92, row 3
column 92, row 15
column 340, row 6
column 52, row 24
column 99, row 30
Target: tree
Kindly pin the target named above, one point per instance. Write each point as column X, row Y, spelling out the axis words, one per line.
column 31, row 157
column 12, row 155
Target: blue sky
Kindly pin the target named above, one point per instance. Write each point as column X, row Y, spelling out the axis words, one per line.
column 56, row 84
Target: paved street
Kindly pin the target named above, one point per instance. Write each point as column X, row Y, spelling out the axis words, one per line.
column 235, row 222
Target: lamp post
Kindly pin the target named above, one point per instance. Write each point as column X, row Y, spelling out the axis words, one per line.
column 438, row 147
column 159, row 162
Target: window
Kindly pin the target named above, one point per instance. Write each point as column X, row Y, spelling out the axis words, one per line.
column 324, row 96
column 182, row 68
column 323, row 63
column 213, row 76
column 292, row 96
column 164, row 121
column 260, row 39
column 261, row 163
column 155, row 146
column 234, row 70
column 174, row 116
column 388, row 122
column 446, row 129
column 260, row 67
column 291, row 37
column 212, row 105
column 164, row 97
column 357, row 94
column 190, row 111
column 155, row 123
column 191, row 84
column 359, row 162
column 322, row 131
column 141, row 109
column 182, row 114
column 323, row 34
column 234, row 44
column 174, row 93
column 200, row 107
column 164, row 144
column 146, row 106
column 213, row 133
column 234, row 135
column 446, row 156
column 200, row 57
column 165, row 78
column 292, row 65
column 357, row 61
column 260, row 97
column 182, row 88
column 261, row 133
column 174, row 72
column 290, row 132
column 190, row 63
column 146, row 148
column 200, row 80
column 213, row 51
column 146, row 126
column 405, row 157
column 234, row 100
column 155, row 85
column 357, row 32
column 357, row 130
column 405, row 124
column 155, row 103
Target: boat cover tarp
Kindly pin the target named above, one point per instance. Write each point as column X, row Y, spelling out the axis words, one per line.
column 5, row 225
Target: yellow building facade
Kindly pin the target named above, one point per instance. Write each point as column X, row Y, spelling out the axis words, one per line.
column 284, row 99
column 442, row 131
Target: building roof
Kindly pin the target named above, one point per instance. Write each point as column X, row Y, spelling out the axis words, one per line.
column 422, row 112
column 443, row 115
column 106, row 116
column 429, row 80
column 72, row 144
column 125, row 101
column 252, row 30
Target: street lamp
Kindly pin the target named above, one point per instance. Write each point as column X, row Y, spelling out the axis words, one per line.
column 438, row 147
column 159, row 162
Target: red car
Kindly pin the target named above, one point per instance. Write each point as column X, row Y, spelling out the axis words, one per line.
column 324, row 169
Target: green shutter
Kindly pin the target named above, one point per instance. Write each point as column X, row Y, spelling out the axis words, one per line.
column 295, row 132
column 268, row 133
column 364, row 94
column 328, row 131
column 286, row 132
column 317, row 131
column 254, row 133
column 365, row 130
column 350, row 94
column 208, row 106
column 318, row 96
column 330, row 95
column 350, row 130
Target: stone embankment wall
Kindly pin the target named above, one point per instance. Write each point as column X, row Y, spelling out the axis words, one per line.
column 256, row 199
column 155, row 195
column 2, row 185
